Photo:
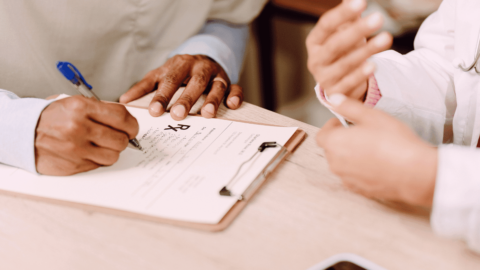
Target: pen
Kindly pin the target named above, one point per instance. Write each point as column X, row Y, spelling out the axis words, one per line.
column 73, row 75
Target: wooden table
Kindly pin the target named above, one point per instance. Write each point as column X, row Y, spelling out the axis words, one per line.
column 300, row 217
column 312, row 7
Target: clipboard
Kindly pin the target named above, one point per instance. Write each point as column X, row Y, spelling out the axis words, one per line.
column 236, row 209
column 229, row 217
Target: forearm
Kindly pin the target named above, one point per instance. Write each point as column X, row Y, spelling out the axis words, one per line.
column 18, row 121
column 223, row 42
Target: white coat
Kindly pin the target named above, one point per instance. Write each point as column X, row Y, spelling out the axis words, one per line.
column 428, row 91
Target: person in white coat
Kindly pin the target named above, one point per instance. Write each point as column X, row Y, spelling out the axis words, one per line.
column 125, row 49
column 429, row 157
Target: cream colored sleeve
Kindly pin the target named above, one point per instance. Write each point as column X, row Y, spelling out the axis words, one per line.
column 236, row 11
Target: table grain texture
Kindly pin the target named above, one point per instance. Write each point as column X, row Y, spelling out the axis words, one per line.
column 301, row 216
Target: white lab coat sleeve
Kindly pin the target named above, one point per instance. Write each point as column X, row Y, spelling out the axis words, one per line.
column 18, row 122
column 456, row 204
column 418, row 88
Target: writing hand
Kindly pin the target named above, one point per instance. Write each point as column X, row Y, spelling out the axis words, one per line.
column 78, row 134
column 338, row 49
column 200, row 73
column 379, row 156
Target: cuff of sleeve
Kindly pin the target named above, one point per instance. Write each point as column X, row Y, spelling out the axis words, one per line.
column 214, row 48
column 17, row 133
column 456, row 203
column 372, row 97
column 323, row 98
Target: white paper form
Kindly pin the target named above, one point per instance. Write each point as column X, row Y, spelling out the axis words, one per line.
column 178, row 176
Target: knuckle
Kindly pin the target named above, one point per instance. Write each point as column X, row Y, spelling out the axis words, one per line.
column 329, row 48
column 160, row 97
column 74, row 128
column 187, row 100
column 326, row 23
column 123, row 143
column 170, row 79
column 120, row 141
column 313, row 65
column 122, row 112
column 184, row 58
column 202, row 79
column 112, row 157
column 77, row 103
column 327, row 81
column 73, row 148
column 348, row 65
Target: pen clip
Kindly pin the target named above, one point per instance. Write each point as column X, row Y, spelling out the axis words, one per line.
column 72, row 73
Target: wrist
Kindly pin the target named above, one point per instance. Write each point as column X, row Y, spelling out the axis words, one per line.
column 422, row 177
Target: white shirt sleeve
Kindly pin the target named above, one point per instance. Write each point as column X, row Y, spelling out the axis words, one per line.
column 418, row 87
column 223, row 42
column 18, row 122
column 456, row 203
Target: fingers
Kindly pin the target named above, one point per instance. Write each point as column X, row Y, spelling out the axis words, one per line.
column 167, row 87
column 199, row 81
column 354, row 64
column 106, row 137
column 214, row 98
column 354, row 85
column 145, row 86
column 235, row 97
column 343, row 42
column 353, row 110
column 114, row 116
column 332, row 20
column 101, row 156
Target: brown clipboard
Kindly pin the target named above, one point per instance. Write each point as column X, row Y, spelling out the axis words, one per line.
column 229, row 217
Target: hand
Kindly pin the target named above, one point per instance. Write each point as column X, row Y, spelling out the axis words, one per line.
column 338, row 49
column 200, row 73
column 380, row 156
column 78, row 134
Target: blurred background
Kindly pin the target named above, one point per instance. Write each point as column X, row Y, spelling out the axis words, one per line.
column 275, row 74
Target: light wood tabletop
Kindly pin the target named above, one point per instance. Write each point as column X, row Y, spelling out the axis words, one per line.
column 300, row 217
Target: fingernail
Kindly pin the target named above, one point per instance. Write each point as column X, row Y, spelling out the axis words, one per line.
column 156, row 107
column 374, row 20
column 209, row 108
column 368, row 68
column 356, row 5
column 179, row 111
column 382, row 40
column 235, row 101
column 336, row 99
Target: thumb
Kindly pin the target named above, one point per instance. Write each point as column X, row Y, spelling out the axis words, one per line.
column 351, row 109
column 326, row 131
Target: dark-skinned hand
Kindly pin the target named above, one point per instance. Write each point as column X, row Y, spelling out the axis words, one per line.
column 78, row 134
column 200, row 74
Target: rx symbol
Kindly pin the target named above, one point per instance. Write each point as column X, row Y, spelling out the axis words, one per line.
column 181, row 127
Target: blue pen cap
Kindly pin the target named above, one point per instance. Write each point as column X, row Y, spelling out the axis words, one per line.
column 72, row 73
